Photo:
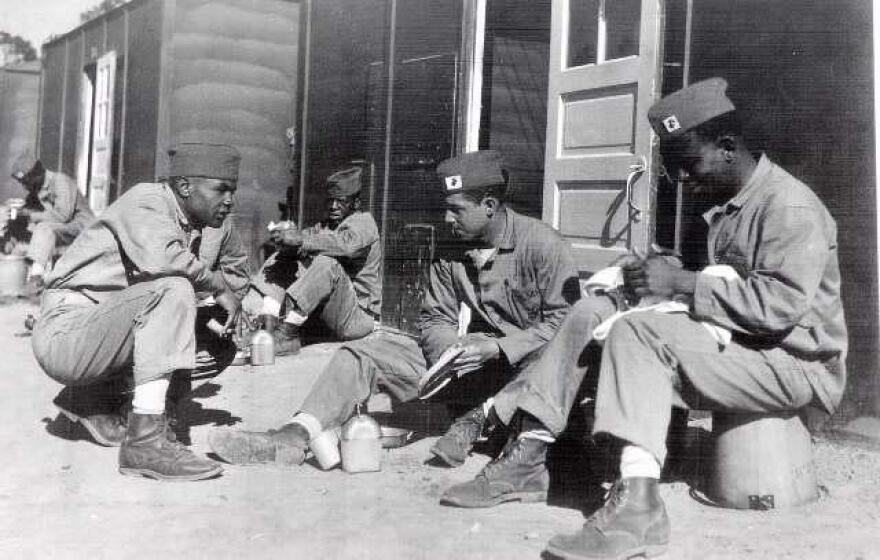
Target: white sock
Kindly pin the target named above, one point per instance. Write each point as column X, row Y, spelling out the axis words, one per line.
column 271, row 306
column 149, row 397
column 309, row 422
column 487, row 406
column 637, row 461
column 542, row 435
column 295, row 318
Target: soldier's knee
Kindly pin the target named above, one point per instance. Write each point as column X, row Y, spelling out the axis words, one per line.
column 592, row 309
column 325, row 263
column 175, row 291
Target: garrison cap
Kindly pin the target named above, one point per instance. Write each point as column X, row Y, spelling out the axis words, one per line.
column 690, row 107
column 214, row 161
column 471, row 170
column 344, row 183
column 24, row 164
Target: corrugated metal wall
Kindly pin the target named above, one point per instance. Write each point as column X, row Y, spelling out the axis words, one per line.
column 235, row 81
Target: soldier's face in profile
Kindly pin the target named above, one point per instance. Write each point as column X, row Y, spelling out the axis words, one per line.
column 208, row 201
column 468, row 218
column 693, row 160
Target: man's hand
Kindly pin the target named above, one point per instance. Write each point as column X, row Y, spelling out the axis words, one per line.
column 475, row 354
column 232, row 306
column 656, row 276
column 289, row 236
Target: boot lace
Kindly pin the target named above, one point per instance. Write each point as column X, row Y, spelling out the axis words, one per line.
column 512, row 453
column 614, row 499
column 468, row 428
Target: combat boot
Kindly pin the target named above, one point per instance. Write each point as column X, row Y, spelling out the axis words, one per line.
column 518, row 474
column 149, row 451
column 287, row 342
column 455, row 445
column 633, row 522
column 285, row 446
column 97, row 408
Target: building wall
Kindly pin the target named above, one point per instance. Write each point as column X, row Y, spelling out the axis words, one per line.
column 134, row 32
column 19, row 108
column 235, row 82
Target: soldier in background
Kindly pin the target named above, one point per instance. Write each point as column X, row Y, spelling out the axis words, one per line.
column 326, row 276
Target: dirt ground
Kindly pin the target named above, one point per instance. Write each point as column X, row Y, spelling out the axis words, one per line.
column 61, row 496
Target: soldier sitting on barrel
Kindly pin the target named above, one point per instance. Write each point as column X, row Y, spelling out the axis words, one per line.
column 781, row 309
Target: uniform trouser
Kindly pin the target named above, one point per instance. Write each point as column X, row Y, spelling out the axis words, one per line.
column 148, row 328
column 392, row 363
column 321, row 285
column 547, row 387
column 46, row 236
column 652, row 361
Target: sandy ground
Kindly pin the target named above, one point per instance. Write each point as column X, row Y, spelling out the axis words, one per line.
column 61, row 497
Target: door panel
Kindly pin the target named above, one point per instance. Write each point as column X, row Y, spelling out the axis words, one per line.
column 102, row 143
column 599, row 160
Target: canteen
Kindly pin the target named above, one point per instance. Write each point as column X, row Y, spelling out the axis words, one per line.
column 361, row 444
column 262, row 348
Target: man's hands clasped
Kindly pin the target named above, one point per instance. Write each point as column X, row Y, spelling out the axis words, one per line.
column 655, row 275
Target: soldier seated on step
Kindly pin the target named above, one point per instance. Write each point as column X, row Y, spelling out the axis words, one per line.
column 515, row 277
column 782, row 309
column 326, row 276
column 120, row 308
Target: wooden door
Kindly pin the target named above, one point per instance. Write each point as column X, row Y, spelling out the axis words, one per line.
column 102, row 140
column 605, row 63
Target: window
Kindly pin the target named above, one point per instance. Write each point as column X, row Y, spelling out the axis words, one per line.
column 602, row 30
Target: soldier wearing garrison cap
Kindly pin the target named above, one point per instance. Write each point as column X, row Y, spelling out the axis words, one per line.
column 773, row 288
column 326, row 277
column 492, row 303
column 55, row 209
column 120, row 310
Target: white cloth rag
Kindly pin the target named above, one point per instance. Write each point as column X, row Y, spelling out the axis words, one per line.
column 609, row 279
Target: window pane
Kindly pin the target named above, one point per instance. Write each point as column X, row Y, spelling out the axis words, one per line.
column 623, row 20
column 583, row 32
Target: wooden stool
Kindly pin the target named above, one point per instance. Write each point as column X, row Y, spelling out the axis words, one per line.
column 762, row 461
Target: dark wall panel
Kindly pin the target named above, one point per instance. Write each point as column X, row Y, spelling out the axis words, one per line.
column 142, row 110
column 348, row 96
column 50, row 112
column 70, row 122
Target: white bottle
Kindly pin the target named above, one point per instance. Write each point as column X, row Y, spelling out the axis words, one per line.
column 361, row 444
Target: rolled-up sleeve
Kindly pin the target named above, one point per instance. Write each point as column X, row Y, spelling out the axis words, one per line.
column 780, row 285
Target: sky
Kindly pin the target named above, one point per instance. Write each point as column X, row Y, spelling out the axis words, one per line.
column 37, row 20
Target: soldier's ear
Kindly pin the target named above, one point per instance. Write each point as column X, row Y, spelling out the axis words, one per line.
column 491, row 204
column 183, row 186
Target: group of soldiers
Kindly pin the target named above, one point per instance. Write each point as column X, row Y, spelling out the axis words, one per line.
column 125, row 312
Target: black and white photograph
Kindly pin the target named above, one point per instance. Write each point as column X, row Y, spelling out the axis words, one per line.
column 439, row 279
